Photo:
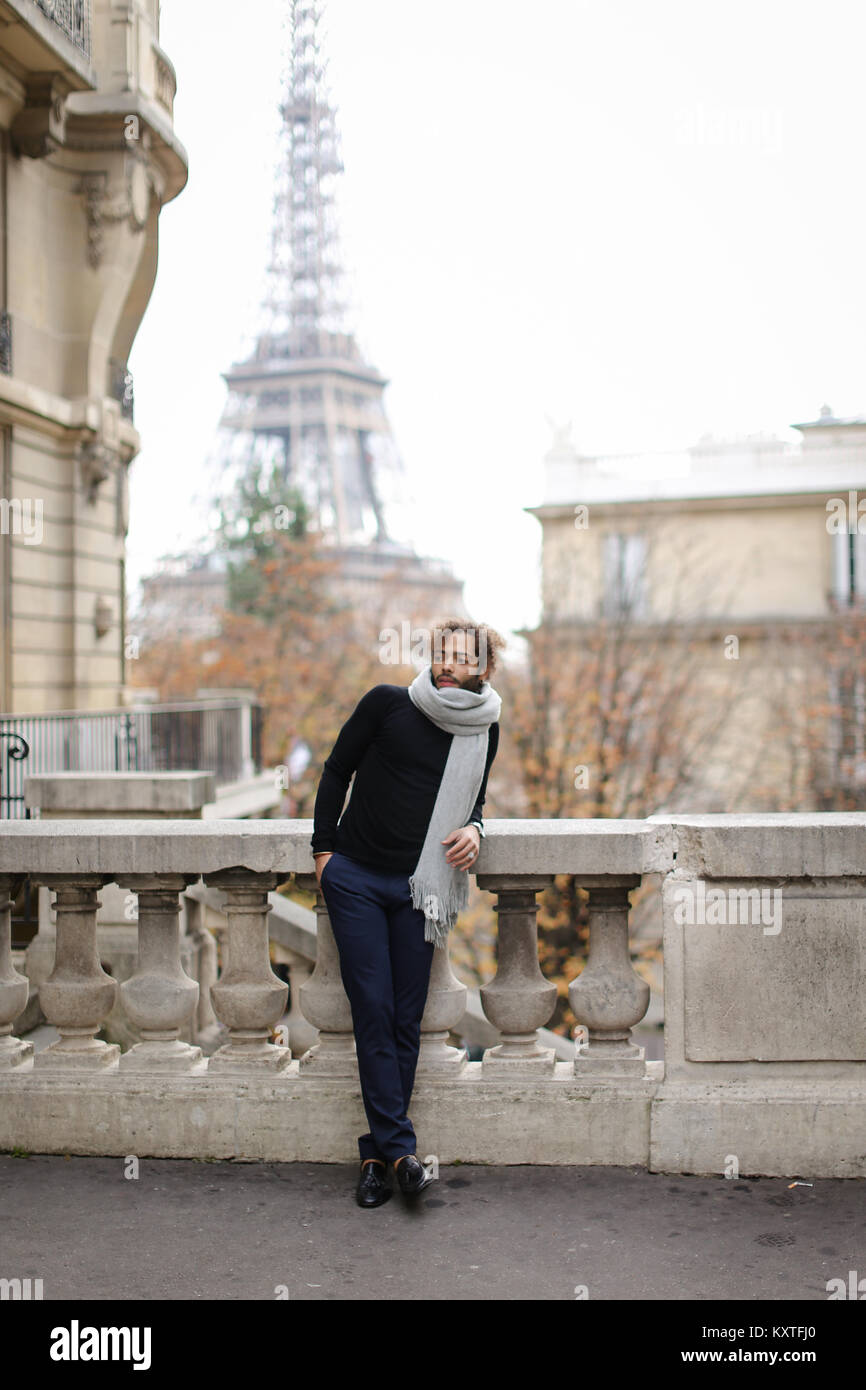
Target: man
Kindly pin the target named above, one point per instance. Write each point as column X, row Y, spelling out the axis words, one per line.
column 393, row 869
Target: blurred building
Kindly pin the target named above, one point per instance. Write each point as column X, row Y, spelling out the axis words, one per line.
column 753, row 550
column 385, row 585
column 184, row 597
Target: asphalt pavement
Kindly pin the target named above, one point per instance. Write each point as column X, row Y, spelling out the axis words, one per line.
column 228, row 1230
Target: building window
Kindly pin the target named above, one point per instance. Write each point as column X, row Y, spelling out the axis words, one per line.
column 849, row 568
column 624, row 576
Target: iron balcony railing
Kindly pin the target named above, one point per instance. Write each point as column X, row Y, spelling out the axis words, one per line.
column 120, row 386
column 72, row 18
column 222, row 737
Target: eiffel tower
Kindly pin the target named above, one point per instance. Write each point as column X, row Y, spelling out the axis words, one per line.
column 305, row 398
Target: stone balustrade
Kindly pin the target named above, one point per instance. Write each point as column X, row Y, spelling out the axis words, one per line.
column 765, row 1005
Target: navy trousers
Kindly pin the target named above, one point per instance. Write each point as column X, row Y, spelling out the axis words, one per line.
column 385, row 965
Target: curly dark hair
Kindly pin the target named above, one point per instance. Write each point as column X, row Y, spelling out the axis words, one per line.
column 483, row 636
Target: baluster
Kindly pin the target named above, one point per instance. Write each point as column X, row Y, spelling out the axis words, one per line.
column 248, row 997
column 78, row 994
column 160, row 997
column 519, row 1000
column 324, row 1002
column 445, row 1007
column 14, row 988
column 608, row 996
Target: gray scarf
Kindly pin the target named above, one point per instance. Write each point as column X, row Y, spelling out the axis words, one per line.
column 439, row 888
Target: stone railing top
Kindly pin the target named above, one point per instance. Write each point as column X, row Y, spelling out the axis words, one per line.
column 574, row 846
column 155, row 846
column 793, row 846
column 822, row 845
column 89, row 792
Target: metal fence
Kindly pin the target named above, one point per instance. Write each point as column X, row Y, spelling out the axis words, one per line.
column 220, row 737
column 72, row 17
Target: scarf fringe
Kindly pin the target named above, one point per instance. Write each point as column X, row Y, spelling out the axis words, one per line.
column 439, row 914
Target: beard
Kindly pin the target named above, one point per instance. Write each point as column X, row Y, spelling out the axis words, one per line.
column 471, row 683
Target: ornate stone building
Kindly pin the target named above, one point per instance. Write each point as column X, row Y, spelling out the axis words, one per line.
column 88, row 158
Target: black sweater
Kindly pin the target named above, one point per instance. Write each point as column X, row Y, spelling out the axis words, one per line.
column 398, row 756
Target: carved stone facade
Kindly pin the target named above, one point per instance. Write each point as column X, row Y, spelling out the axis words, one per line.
column 88, row 157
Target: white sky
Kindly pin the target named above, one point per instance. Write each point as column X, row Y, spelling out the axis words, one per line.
column 647, row 219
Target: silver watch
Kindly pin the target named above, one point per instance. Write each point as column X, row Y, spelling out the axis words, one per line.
column 479, row 827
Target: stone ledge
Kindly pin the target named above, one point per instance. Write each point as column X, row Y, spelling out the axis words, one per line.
column 292, row 1117
column 796, row 846
column 820, row 845
column 779, row 1131
column 664, row 1127
column 131, row 794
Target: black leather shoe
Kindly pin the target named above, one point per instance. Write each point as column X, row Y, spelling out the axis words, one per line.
column 372, row 1189
column 412, row 1176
